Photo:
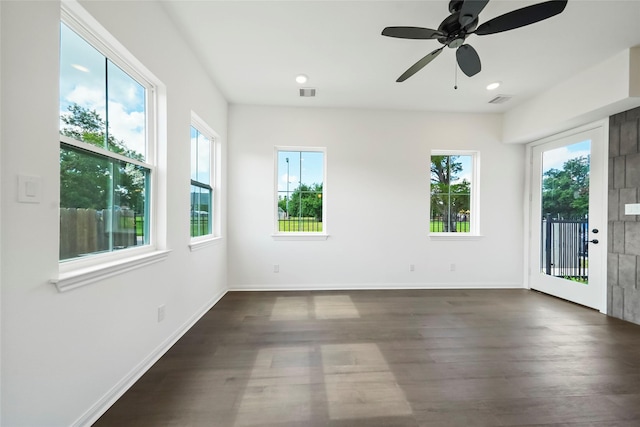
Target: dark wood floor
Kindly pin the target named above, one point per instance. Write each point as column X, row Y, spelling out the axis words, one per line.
column 393, row 358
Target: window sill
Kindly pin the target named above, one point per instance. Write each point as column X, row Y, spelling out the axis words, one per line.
column 300, row 236
column 84, row 276
column 455, row 236
column 203, row 243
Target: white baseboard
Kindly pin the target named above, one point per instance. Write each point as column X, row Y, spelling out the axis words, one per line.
column 372, row 286
column 101, row 406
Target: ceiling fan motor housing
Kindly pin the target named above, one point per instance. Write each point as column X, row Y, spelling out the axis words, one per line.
column 453, row 30
column 455, row 5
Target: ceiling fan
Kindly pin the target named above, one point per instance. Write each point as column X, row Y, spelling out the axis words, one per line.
column 462, row 22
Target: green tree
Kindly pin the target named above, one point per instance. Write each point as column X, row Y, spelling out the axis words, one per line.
column 87, row 180
column 565, row 192
column 449, row 198
column 305, row 201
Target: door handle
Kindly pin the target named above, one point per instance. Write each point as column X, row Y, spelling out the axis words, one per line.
column 594, row 241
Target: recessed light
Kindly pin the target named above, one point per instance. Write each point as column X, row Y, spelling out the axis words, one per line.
column 494, row 85
column 80, row 68
column 301, row 78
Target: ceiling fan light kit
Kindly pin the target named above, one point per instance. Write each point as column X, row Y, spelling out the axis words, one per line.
column 462, row 22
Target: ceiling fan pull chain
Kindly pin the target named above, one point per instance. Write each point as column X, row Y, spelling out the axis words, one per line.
column 455, row 86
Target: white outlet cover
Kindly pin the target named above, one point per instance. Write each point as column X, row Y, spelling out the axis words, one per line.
column 632, row 209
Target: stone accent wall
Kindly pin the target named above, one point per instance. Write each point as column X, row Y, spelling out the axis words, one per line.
column 623, row 260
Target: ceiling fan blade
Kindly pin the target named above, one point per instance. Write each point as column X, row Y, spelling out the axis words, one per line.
column 468, row 60
column 415, row 33
column 470, row 10
column 521, row 17
column 419, row 65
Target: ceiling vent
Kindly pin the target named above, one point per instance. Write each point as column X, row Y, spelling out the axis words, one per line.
column 307, row 92
column 500, row 99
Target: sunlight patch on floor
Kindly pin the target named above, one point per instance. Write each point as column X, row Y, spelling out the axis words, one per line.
column 290, row 308
column 334, row 307
column 317, row 307
column 279, row 388
column 352, row 395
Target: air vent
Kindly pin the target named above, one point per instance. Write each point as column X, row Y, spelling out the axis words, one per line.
column 307, row 92
column 500, row 99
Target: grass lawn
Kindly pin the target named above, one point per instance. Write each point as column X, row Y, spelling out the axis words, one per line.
column 438, row 226
column 199, row 227
column 300, row 225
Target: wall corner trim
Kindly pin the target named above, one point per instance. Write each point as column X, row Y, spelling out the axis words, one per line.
column 103, row 404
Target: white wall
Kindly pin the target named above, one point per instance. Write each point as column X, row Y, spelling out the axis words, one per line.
column 608, row 88
column 377, row 201
column 65, row 355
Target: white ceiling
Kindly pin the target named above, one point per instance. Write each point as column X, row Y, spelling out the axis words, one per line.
column 254, row 49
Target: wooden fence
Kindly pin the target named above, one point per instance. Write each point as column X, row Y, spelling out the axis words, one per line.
column 85, row 231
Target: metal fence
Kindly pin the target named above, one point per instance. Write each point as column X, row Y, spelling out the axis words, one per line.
column 450, row 224
column 299, row 224
column 565, row 247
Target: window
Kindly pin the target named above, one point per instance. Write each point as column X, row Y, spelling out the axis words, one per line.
column 202, row 181
column 105, row 157
column 454, row 183
column 300, row 199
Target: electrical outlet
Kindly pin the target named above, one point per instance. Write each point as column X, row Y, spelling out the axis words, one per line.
column 412, row 267
column 161, row 312
column 276, row 268
column 452, row 267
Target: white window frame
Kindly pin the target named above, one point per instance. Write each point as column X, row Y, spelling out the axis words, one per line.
column 75, row 273
column 289, row 235
column 203, row 241
column 474, row 223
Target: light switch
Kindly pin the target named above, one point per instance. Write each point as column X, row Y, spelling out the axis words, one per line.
column 29, row 189
column 632, row 209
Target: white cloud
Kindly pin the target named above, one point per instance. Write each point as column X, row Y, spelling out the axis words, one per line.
column 93, row 99
column 127, row 127
column 124, row 126
column 292, row 179
column 555, row 159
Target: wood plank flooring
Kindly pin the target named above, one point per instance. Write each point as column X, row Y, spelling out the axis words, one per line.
column 393, row 358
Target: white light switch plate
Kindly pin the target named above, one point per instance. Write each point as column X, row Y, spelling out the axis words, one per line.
column 29, row 189
column 632, row 209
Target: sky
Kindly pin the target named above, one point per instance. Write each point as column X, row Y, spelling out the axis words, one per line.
column 306, row 167
column 556, row 158
column 200, row 157
column 82, row 81
column 466, row 169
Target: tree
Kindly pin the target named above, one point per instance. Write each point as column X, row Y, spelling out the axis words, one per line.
column 305, row 201
column 90, row 181
column 448, row 200
column 565, row 192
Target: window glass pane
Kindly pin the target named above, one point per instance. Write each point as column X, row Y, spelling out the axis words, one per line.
column 82, row 89
column 201, row 223
column 300, row 191
column 311, row 168
column 451, row 180
column 194, row 153
column 125, row 114
column 204, row 160
column 103, row 206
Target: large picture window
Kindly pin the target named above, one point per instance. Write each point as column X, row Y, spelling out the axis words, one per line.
column 453, row 193
column 105, row 160
column 300, row 190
